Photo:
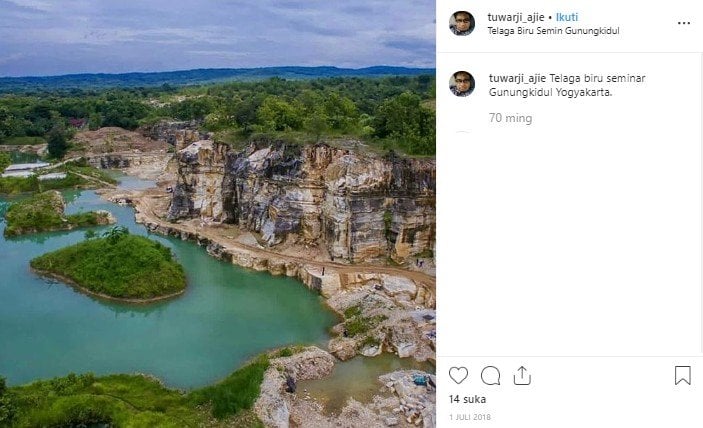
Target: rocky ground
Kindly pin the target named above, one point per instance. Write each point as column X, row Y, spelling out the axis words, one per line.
column 385, row 308
column 130, row 151
column 113, row 140
column 383, row 316
column 399, row 402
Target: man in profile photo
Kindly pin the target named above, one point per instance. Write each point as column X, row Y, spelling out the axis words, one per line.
column 463, row 23
column 461, row 84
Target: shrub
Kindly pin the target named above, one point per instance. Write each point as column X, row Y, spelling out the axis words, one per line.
column 75, row 411
column 7, row 405
column 285, row 352
column 360, row 325
column 369, row 341
column 44, row 212
column 10, row 185
column 352, row 311
column 237, row 392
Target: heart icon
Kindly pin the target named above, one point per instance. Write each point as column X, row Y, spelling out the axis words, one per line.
column 458, row 374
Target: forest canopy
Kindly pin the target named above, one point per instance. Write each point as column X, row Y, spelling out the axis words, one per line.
column 394, row 113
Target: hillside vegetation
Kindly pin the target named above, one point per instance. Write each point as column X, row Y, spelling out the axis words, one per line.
column 133, row 401
column 44, row 212
column 391, row 113
column 195, row 77
column 78, row 175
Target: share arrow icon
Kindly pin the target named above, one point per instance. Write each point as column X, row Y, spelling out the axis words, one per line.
column 522, row 379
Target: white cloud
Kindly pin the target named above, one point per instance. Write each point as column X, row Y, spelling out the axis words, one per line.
column 110, row 35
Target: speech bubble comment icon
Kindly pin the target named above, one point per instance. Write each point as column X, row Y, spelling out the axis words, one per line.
column 458, row 374
column 490, row 375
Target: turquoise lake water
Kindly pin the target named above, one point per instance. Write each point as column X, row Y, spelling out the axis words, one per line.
column 226, row 316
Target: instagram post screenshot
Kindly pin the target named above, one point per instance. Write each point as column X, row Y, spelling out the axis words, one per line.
column 363, row 214
column 569, row 214
column 218, row 214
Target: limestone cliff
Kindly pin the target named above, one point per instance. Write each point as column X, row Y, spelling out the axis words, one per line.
column 178, row 134
column 358, row 206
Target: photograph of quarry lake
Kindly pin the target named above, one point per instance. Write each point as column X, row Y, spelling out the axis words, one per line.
column 217, row 214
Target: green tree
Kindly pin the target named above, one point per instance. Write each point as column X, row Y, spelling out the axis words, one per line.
column 244, row 112
column 115, row 234
column 4, row 161
column 122, row 110
column 403, row 121
column 95, row 121
column 11, row 125
column 191, row 108
column 4, row 122
column 276, row 114
column 7, row 406
column 341, row 112
column 316, row 124
column 56, row 143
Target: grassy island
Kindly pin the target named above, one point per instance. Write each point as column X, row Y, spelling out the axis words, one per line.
column 117, row 265
column 44, row 212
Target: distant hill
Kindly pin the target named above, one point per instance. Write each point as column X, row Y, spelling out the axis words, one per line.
column 192, row 77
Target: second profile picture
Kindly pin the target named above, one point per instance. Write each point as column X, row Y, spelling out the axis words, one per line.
column 461, row 23
column 462, row 83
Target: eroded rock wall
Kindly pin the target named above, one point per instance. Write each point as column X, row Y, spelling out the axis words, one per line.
column 201, row 172
column 358, row 206
column 176, row 133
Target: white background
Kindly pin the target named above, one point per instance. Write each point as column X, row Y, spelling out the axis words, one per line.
column 578, row 234
column 573, row 246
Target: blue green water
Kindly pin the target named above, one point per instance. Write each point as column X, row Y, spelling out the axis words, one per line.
column 19, row 157
column 357, row 378
column 226, row 316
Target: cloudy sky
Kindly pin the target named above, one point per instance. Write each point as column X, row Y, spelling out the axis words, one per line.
column 49, row 37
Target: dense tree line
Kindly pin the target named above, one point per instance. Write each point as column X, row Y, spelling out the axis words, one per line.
column 392, row 112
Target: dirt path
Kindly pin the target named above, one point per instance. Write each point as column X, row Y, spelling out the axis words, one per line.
column 145, row 205
column 63, row 162
column 95, row 179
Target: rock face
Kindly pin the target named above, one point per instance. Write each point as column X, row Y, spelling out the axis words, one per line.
column 272, row 407
column 177, row 134
column 416, row 403
column 358, row 206
column 199, row 189
column 125, row 160
column 378, row 321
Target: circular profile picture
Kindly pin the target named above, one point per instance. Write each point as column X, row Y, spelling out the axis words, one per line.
column 462, row 84
column 461, row 23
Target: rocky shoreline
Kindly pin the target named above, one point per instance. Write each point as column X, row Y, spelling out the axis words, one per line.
column 399, row 401
column 401, row 301
column 284, row 218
